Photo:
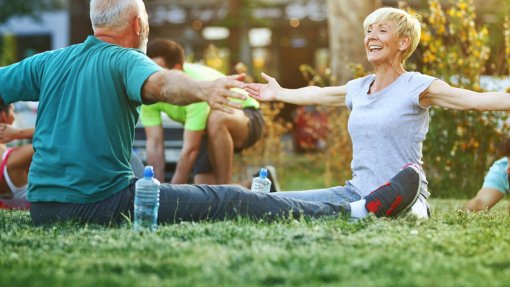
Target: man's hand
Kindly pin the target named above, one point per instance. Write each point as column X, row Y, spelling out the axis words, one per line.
column 176, row 88
column 218, row 92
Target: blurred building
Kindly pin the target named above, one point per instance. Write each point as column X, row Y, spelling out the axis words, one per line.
column 275, row 36
column 30, row 35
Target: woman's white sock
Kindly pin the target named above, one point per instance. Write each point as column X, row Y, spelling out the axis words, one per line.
column 358, row 209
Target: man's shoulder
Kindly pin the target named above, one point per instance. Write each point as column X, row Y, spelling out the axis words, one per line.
column 93, row 44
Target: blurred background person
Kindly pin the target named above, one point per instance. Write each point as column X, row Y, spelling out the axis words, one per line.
column 495, row 184
column 210, row 137
column 15, row 161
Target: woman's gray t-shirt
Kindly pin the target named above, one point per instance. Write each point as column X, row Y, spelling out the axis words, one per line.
column 387, row 128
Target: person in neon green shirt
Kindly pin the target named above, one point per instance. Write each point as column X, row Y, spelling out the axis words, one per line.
column 226, row 133
column 194, row 119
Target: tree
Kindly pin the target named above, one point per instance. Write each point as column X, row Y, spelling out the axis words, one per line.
column 345, row 21
column 10, row 8
column 239, row 19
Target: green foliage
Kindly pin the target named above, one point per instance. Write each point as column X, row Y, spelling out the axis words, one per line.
column 10, row 8
column 241, row 11
column 460, row 145
column 7, row 50
column 452, row 249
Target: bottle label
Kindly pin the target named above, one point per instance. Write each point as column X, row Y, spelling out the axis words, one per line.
column 261, row 185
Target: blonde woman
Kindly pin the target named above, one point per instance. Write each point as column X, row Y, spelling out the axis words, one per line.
column 389, row 116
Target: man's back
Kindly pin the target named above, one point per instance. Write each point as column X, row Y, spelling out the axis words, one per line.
column 88, row 94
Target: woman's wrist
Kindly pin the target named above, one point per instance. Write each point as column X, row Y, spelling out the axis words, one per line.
column 281, row 95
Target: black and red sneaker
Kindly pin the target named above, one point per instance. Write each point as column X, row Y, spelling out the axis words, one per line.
column 396, row 196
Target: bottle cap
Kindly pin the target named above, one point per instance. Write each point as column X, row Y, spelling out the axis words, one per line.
column 148, row 171
column 263, row 173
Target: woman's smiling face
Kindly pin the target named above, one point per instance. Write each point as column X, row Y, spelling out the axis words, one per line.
column 382, row 43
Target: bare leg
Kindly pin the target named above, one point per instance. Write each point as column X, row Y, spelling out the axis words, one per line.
column 205, row 178
column 247, row 184
column 225, row 132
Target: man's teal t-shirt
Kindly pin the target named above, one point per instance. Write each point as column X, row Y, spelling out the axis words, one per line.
column 89, row 96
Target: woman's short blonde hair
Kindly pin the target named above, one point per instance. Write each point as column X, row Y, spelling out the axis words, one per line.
column 407, row 25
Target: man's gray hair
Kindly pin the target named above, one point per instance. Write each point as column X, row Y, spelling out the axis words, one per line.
column 112, row 13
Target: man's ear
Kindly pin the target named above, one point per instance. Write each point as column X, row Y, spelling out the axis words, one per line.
column 137, row 26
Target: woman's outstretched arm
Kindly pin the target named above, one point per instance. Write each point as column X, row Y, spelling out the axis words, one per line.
column 443, row 95
column 312, row 95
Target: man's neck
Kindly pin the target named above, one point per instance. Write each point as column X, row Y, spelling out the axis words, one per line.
column 113, row 37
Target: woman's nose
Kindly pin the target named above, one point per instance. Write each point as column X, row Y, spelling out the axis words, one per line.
column 371, row 36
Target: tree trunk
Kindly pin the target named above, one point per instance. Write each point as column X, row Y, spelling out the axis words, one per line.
column 81, row 25
column 346, row 35
column 239, row 43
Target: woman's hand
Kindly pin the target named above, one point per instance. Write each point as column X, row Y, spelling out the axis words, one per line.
column 264, row 92
column 7, row 133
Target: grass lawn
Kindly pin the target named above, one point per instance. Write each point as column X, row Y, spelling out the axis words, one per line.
column 452, row 249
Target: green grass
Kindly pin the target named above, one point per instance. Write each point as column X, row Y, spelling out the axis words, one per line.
column 300, row 172
column 452, row 249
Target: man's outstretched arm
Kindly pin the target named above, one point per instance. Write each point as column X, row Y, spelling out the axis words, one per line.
column 179, row 89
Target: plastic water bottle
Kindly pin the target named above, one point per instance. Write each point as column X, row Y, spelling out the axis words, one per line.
column 146, row 201
column 261, row 183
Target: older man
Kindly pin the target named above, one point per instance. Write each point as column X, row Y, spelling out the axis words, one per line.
column 89, row 95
